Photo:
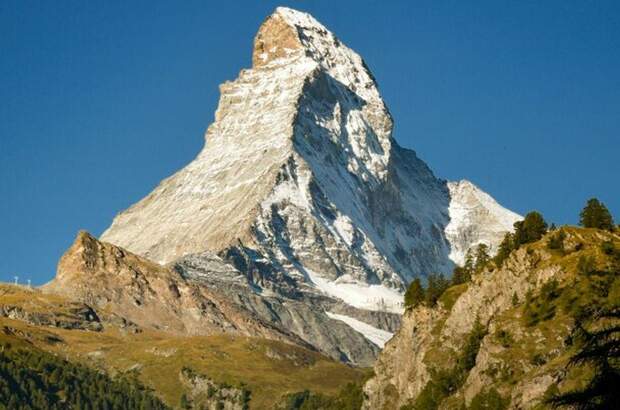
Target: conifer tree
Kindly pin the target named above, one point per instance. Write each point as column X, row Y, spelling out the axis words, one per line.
column 596, row 215
column 530, row 229
column 482, row 256
column 505, row 247
column 415, row 294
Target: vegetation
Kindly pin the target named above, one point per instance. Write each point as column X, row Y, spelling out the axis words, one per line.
column 594, row 303
column 596, row 215
column 350, row 397
column 556, row 241
column 598, row 347
column 543, row 306
column 417, row 294
column 531, row 229
column 489, row 400
column 504, row 249
column 33, row 379
column 445, row 382
column 414, row 294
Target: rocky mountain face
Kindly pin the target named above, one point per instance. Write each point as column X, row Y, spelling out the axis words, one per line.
column 524, row 311
column 301, row 218
column 302, row 187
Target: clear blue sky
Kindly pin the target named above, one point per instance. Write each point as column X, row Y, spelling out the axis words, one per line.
column 101, row 100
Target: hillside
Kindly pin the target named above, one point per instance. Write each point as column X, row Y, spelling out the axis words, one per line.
column 502, row 337
column 206, row 369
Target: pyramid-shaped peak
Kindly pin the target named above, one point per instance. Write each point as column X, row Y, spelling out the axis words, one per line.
column 282, row 35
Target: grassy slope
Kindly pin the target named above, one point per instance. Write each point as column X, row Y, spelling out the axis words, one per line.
column 531, row 351
column 268, row 368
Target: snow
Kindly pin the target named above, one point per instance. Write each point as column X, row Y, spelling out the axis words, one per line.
column 475, row 217
column 375, row 335
column 360, row 295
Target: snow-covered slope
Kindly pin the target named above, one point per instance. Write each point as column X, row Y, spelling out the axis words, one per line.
column 301, row 181
column 475, row 218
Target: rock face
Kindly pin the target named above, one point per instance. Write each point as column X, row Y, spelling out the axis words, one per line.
column 204, row 295
column 300, row 171
column 119, row 284
column 301, row 219
column 520, row 360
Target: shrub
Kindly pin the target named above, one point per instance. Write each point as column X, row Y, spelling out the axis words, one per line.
column 443, row 382
column 541, row 308
column 489, row 400
column 586, row 265
column 504, row 338
column 556, row 241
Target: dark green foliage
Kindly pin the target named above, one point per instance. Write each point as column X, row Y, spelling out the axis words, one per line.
column 596, row 215
column 184, row 403
column 414, row 294
column 33, row 379
column 598, row 346
column 489, row 400
column 515, row 299
column 586, row 265
column 530, row 229
column 443, row 383
column 437, row 285
column 350, row 397
column 505, row 247
column 504, row 338
column 542, row 307
column 460, row 275
column 476, row 260
column 538, row 359
column 556, row 241
column 482, row 257
column 608, row 248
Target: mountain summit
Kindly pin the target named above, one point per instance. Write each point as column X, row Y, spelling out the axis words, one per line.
column 300, row 172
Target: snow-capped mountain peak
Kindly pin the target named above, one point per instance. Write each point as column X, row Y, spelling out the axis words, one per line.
column 301, row 179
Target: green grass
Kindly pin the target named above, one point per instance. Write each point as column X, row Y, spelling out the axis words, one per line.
column 270, row 369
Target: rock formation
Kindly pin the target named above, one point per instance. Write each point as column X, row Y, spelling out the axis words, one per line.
column 301, row 209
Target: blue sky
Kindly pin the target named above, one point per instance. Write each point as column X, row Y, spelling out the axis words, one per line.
column 101, row 100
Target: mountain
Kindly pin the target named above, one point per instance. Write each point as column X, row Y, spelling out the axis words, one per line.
column 56, row 353
column 505, row 336
column 300, row 172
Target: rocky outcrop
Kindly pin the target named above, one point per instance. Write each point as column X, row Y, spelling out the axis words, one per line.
column 205, row 393
column 28, row 305
column 118, row 283
column 521, row 361
column 203, row 295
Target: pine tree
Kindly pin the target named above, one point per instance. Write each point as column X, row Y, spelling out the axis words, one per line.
column 530, row 229
column 482, row 257
column 437, row 284
column 599, row 347
column 596, row 215
column 415, row 294
column 505, row 247
column 460, row 275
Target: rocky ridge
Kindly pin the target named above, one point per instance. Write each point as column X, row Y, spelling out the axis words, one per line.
column 521, row 361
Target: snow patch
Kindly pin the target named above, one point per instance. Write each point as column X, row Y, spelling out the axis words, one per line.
column 377, row 336
column 361, row 295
